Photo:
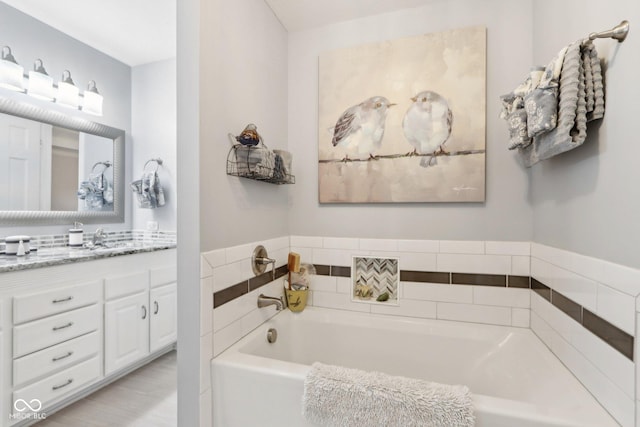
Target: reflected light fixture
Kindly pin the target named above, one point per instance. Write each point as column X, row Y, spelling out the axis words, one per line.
column 11, row 74
column 68, row 92
column 92, row 102
column 40, row 83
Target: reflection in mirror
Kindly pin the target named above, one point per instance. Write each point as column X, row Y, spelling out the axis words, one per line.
column 58, row 168
column 49, row 168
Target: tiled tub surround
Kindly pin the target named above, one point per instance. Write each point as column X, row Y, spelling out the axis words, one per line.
column 480, row 282
column 54, row 250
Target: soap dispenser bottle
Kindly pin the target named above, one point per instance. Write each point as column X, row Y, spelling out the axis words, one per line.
column 76, row 235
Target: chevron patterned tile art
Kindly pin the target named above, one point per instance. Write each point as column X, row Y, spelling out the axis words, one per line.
column 375, row 279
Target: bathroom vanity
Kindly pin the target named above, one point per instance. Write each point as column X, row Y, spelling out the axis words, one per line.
column 72, row 324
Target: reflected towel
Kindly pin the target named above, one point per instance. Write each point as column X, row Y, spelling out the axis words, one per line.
column 337, row 396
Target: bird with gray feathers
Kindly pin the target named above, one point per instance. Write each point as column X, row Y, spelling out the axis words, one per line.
column 427, row 125
column 361, row 127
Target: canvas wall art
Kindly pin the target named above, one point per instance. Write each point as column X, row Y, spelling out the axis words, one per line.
column 404, row 120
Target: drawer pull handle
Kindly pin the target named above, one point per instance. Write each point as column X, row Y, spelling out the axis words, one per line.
column 57, row 387
column 55, row 359
column 157, row 307
column 58, row 301
column 57, row 328
column 144, row 312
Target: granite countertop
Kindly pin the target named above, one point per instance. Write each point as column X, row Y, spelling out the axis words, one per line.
column 47, row 257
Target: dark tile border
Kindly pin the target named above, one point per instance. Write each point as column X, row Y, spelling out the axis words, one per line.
column 424, row 276
column 616, row 338
column 541, row 289
column 229, row 294
column 519, row 282
column 338, row 271
column 242, row 288
column 479, row 279
column 323, row 270
column 611, row 334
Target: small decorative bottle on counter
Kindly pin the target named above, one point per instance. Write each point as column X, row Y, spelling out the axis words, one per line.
column 76, row 235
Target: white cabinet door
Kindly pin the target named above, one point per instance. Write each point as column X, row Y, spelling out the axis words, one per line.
column 163, row 306
column 126, row 331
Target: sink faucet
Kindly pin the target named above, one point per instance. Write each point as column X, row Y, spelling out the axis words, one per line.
column 264, row 301
column 98, row 237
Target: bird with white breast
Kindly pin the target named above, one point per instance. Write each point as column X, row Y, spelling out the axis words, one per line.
column 361, row 127
column 427, row 125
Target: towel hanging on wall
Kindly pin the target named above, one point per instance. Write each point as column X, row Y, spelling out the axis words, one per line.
column 550, row 116
column 148, row 189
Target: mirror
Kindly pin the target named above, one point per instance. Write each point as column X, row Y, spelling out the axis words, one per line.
column 77, row 170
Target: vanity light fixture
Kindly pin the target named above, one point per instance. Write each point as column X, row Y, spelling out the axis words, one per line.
column 11, row 73
column 68, row 92
column 92, row 102
column 40, row 83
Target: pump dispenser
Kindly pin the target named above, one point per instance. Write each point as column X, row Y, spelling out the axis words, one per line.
column 76, row 235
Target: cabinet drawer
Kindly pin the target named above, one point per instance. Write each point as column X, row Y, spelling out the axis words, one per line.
column 54, row 358
column 52, row 330
column 119, row 286
column 163, row 276
column 61, row 384
column 42, row 304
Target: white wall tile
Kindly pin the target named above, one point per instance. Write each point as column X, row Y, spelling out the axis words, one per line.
column 323, row 256
column 344, row 285
column 206, row 305
column 617, row 308
column 306, row 241
column 340, row 243
column 542, row 329
column 506, row 297
column 564, row 325
column 306, row 254
column 461, row 247
column 520, row 317
column 228, row 275
column 520, row 266
column 575, row 287
column 508, row 248
column 429, row 246
column 623, row 278
column 379, row 244
column 240, row 252
column 275, row 244
column 474, row 313
column 619, row 405
column 216, row 258
column 438, row 292
column 206, row 354
column 410, row 308
column 345, row 257
column 417, row 261
column 228, row 313
column 205, row 268
column 481, row 264
column 224, row 338
column 324, row 283
column 609, row 361
column 338, row 301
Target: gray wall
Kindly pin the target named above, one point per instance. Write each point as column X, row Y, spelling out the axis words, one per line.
column 243, row 80
column 31, row 39
column 153, row 131
column 587, row 200
column 506, row 214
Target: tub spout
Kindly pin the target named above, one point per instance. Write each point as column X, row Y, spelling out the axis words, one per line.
column 264, row 301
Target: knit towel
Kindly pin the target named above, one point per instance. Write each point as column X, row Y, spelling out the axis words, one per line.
column 581, row 99
column 343, row 397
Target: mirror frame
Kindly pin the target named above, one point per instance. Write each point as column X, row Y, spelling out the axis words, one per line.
column 56, row 118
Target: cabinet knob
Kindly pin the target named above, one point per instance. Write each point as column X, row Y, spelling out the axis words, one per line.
column 144, row 312
column 156, row 307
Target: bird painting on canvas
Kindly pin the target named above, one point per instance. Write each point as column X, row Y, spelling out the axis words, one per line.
column 361, row 127
column 427, row 125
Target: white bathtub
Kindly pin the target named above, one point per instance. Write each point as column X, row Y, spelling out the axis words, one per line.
column 515, row 380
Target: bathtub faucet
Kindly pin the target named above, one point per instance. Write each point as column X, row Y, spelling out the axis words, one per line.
column 264, row 301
